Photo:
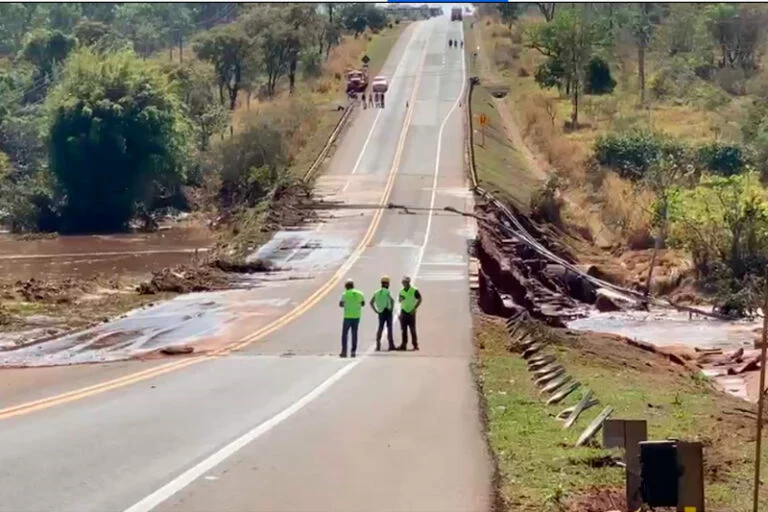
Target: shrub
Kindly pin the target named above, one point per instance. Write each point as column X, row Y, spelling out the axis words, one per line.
column 720, row 158
column 631, row 154
column 599, row 79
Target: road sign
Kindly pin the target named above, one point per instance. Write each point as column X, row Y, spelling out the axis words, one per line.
column 366, row 59
column 483, row 120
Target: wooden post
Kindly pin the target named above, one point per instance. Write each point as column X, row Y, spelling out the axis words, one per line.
column 760, row 401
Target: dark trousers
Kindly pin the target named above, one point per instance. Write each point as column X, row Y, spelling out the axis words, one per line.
column 350, row 324
column 385, row 320
column 408, row 321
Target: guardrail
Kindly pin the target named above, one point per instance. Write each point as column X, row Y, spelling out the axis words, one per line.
column 329, row 143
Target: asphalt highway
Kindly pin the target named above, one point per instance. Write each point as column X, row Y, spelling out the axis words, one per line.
column 272, row 420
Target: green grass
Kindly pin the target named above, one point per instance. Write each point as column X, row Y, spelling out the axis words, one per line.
column 501, row 167
column 541, row 471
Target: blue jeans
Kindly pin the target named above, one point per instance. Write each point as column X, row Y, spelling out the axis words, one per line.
column 349, row 324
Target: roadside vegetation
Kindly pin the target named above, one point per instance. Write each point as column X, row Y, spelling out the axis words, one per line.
column 112, row 114
column 116, row 117
column 647, row 126
column 539, row 465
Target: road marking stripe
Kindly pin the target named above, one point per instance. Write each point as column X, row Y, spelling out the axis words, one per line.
column 95, row 389
column 186, row 478
column 376, row 119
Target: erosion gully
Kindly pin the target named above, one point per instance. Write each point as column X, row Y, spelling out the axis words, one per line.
column 513, row 277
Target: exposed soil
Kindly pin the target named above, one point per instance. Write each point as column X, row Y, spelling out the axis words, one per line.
column 514, row 278
column 184, row 279
column 598, row 500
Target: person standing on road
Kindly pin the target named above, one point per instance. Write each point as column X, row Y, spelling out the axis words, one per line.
column 353, row 301
column 410, row 300
column 382, row 304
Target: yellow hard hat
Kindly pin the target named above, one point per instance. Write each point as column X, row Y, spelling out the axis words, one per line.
column 384, row 279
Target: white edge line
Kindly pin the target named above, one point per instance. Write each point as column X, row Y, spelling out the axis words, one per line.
column 162, row 494
column 192, row 474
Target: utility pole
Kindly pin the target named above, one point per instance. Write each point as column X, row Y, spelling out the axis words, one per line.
column 761, row 400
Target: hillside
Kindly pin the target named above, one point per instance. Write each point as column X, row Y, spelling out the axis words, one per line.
column 658, row 128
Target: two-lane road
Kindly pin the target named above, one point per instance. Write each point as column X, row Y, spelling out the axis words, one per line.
column 282, row 423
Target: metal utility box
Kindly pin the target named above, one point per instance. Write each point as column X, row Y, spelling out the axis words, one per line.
column 671, row 474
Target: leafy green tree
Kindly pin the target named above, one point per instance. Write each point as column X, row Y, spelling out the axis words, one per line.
column 116, row 130
column 228, row 48
column 642, row 29
column 194, row 80
column 64, row 16
column 739, row 32
column 508, row 12
column 571, row 40
column 359, row 16
column 44, row 50
column 90, row 33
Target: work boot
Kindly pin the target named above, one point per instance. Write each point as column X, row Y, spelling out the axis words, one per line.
column 415, row 346
column 353, row 354
column 378, row 346
column 402, row 348
column 391, row 347
column 343, row 354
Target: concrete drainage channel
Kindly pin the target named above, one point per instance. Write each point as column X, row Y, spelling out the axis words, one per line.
column 552, row 379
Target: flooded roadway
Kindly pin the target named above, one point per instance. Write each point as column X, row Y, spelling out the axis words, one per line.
column 86, row 256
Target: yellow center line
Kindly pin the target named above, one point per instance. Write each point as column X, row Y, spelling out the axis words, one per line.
column 309, row 302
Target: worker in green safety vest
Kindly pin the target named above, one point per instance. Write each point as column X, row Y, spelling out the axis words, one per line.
column 410, row 300
column 353, row 301
column 382, row 304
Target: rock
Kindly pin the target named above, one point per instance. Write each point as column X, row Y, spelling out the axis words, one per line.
column 751, row 364
column 604, row 303
column 177, row 349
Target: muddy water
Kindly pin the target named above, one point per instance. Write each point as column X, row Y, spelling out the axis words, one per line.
column 665, row 327
column 86, row 256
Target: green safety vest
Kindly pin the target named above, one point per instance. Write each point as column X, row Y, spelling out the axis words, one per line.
column 382, row 300
column 353, row 303
column 408, row 303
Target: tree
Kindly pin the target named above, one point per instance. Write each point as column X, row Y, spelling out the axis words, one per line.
column 227, row 48
column 45, row 50
column 508, row 12
column 359, row 16
column 194, row 80
column 297, row 17
column 569, row 42
column 116, row 130
column 88, row 33
column 547, row 10
column 739, row 31
column 642, row 29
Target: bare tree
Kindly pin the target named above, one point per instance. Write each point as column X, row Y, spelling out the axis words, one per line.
column 547, row 10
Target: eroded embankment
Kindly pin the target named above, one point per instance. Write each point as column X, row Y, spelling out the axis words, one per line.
column 513, row 277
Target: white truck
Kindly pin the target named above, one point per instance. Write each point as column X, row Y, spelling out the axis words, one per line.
column 379, row 88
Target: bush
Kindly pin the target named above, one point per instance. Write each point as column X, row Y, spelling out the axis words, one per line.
column 116, row 130
column 722, row 159
column 311, row 64
column 599, row 79
column 631, row 154
column 546, row 203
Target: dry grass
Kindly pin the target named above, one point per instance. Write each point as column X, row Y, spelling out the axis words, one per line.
column 541, row 115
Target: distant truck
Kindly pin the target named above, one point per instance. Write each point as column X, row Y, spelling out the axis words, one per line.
column 357, row 81
column 379, row 87
column 456, row 14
